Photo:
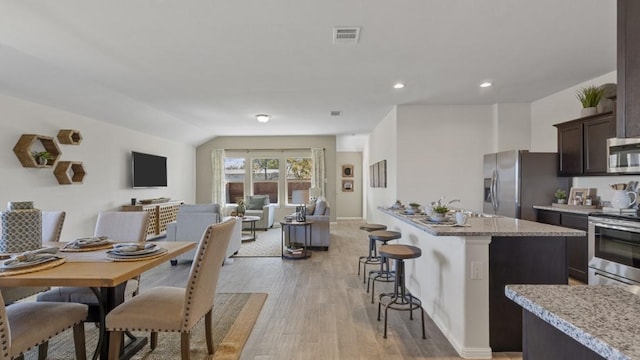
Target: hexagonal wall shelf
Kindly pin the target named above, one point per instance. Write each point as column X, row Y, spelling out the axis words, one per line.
column 69, row 137
column 23, row 150
column 69, row 172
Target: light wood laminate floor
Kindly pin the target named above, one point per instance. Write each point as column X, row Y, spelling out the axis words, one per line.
column 318, row 308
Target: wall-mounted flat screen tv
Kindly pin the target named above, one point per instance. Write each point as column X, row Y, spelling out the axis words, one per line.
column 148, row 170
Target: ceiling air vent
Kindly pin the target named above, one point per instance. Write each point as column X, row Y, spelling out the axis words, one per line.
column 335, row 113
column 346, row 35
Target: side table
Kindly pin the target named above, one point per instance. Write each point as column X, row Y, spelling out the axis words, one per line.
column 252, row 227
column 295, row 249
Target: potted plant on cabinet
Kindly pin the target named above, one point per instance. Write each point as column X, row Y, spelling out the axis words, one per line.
column 561, row 196
column 589, row 96
column 42, row 157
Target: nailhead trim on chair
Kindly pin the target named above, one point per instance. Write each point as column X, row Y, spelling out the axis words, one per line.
column 3, row 338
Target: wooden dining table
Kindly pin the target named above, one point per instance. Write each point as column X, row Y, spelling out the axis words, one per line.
column 106, row 277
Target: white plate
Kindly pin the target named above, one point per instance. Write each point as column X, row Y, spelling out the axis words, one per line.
column 15, row 264
column 439, row 220
column 146, row 251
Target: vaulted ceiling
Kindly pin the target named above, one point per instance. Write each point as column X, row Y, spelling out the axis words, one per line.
column 191, row 70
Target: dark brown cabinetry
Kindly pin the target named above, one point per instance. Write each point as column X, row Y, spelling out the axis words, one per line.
column 628, row 91
column 577, row 246
column 582, row 145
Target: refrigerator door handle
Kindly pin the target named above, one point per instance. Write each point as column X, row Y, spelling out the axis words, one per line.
column 494, row 190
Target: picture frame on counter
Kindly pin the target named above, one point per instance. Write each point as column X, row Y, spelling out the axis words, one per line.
column 577, row 196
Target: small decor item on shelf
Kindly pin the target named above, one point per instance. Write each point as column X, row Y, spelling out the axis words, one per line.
column 415, row 206
column 301, row 213
column 398, row 205
column 21, row 226
column 42, row 157
column 590, row 96
column 561, row 196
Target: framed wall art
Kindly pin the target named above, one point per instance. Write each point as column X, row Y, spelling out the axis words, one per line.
column 347, row 185
column 347, row 171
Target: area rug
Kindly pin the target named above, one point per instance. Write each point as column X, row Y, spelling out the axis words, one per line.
column 267, row 244
column 234, row 315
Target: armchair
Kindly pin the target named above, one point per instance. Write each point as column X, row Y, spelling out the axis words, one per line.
column 193, row 220
column 259, row 205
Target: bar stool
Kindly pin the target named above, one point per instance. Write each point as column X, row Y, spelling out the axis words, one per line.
column 373, row 257
column 400, row 298
column 384, row 274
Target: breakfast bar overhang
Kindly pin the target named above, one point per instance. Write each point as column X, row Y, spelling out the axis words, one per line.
column 461, row 275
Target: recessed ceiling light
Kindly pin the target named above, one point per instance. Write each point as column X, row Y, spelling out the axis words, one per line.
column 263, row 118
column 398, row 85
column 485, row 84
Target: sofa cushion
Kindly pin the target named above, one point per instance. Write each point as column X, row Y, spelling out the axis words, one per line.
column 321, row 207
column 257, row 202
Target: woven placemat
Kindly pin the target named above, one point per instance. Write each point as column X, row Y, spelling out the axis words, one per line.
column 39, row 267
column 90, row 248
column 160, row 252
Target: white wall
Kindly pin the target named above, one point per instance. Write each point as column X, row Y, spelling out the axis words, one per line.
column 512, row 124
column 382, row 145
column 349, row 203
column 105, row 153
column 440, row 153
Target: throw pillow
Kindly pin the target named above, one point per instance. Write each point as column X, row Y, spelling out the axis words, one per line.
column 256, row 202
column 321, row 207
column 311, row 208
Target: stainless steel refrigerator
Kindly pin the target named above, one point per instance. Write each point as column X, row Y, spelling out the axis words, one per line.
column 516, row 180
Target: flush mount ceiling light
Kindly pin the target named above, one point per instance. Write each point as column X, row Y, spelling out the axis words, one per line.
column 485, row 84
column 263, row 118
column 398, row 85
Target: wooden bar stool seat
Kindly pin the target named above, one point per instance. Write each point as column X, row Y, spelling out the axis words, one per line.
column 400, row 298
column 372, row 257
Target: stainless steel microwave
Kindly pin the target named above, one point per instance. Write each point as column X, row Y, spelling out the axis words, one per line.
column 623, row 155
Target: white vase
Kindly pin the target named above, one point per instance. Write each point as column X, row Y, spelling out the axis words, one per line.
column 622, row 199
column 588, row 111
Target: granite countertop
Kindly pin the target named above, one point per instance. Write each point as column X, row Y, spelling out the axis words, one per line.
column 485, row 226
column 603, row 318
column 572, row 210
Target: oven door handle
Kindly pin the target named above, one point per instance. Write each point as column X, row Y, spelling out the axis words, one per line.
column 618, row 227
column 611, row 278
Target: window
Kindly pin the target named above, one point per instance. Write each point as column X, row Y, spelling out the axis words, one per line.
column 234, row 176
column 298, row 180
column 265, row 176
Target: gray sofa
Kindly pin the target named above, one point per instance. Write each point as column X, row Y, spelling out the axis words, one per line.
column 318, row 212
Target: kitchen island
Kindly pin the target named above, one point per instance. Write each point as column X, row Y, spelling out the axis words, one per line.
column 579, row 322
column 461, row 274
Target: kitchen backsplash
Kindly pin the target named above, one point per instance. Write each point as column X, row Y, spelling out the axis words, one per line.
column 602, row 184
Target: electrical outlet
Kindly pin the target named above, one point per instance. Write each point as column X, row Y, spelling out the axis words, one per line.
column 476, row 270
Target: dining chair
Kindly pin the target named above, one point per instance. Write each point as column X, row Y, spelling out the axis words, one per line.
column 181, row 308
column 119, row 226
column 27, row 324
column 52, row 222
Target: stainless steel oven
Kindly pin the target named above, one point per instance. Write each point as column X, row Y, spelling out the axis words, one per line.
column 614, row 249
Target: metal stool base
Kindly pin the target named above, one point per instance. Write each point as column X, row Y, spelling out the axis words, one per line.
column 400, row 299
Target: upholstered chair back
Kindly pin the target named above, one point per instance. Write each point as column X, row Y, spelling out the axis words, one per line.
column 52, row 222
column 5, row 333
column 122, row 226
column 205, row 270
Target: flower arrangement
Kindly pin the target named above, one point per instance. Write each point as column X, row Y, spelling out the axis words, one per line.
column 561, row 196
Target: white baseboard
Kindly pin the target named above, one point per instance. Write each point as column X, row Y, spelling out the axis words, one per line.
column 349, row 218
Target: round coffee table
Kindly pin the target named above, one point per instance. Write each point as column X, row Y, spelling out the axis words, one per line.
column 251, row 220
